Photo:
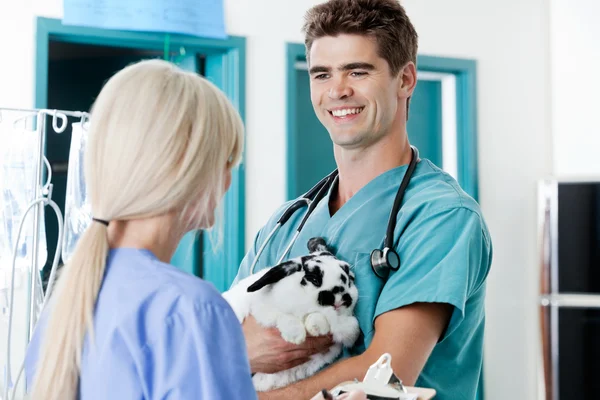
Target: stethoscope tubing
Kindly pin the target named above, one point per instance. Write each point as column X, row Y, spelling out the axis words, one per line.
column 319, row 191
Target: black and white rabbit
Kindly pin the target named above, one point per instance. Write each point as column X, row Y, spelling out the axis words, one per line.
column 313, row 294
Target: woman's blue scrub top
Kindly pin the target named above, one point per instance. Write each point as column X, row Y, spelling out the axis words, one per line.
column 445, row 255
column 159, row 334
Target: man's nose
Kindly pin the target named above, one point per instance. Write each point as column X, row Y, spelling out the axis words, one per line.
column 340, row 90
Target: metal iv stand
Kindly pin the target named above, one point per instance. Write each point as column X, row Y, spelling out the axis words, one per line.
column 40, row 114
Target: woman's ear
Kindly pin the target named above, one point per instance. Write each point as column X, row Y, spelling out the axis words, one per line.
column 276, row 274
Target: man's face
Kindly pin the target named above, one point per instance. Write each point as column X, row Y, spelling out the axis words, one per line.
column 352, row 91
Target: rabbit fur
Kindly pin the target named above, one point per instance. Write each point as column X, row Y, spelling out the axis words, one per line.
column 313, row 294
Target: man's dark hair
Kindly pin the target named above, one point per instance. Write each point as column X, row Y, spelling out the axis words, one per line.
column 384, row 20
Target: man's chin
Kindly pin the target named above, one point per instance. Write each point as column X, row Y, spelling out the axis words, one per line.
column 348, row 140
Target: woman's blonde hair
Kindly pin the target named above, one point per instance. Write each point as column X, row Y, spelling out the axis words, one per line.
column 161, row 140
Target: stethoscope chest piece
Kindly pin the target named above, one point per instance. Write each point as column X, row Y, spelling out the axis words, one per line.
column 382, row 261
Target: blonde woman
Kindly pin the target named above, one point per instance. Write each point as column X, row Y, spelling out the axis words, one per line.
column 122, row 322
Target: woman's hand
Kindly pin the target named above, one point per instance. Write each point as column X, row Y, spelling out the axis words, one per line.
column 353, row 395
column 269, row 353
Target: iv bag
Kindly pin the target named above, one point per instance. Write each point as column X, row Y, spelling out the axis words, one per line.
column 78, row 213
column 19, row 157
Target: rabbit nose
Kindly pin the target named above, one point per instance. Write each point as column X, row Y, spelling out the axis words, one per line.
column 338, row 305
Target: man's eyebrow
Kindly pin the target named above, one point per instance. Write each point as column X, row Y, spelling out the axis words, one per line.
column 318, row 69
column 357, row 65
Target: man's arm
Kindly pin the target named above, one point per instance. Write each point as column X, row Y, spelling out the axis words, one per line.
column 408, row 333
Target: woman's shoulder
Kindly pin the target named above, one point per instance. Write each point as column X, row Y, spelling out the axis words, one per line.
column 158, row 286
column 145, row 302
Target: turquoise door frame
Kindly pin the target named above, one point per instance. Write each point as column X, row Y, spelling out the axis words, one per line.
column 225, row 67
column 465, row 72
column 466, row 108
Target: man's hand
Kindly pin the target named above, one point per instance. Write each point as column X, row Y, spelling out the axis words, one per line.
column 269, row 353
column 422, row 326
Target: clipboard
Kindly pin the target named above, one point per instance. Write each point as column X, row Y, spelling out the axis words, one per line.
column 380, row 383
column 422, row 393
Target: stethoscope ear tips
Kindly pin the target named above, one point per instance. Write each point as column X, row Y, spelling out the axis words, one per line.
column 382, row 261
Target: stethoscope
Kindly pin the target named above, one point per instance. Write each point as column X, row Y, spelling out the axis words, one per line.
column 382, row 261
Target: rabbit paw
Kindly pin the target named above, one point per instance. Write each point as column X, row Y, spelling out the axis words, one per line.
column 316, row 324
column 291, row 328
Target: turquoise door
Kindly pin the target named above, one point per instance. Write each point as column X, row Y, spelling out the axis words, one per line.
column 425, row 120
column 73, row 84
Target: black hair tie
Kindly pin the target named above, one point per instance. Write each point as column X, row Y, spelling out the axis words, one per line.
column 103, row 222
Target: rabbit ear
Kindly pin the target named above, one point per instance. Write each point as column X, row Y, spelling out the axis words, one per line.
column 275, row 274
column 317, row 244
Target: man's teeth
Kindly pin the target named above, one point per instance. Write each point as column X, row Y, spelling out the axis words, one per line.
column 346, row 111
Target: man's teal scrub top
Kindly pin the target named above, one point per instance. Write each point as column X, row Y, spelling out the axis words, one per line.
column 445, row 255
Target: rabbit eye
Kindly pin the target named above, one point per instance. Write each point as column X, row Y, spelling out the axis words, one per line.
column 313, row 274
column 315, row 280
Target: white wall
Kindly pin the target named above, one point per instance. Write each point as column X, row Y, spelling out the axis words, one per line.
column 510, row 41
column 575, row 55
column 17, row 56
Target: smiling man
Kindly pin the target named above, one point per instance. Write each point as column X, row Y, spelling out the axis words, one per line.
column 429, row 313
